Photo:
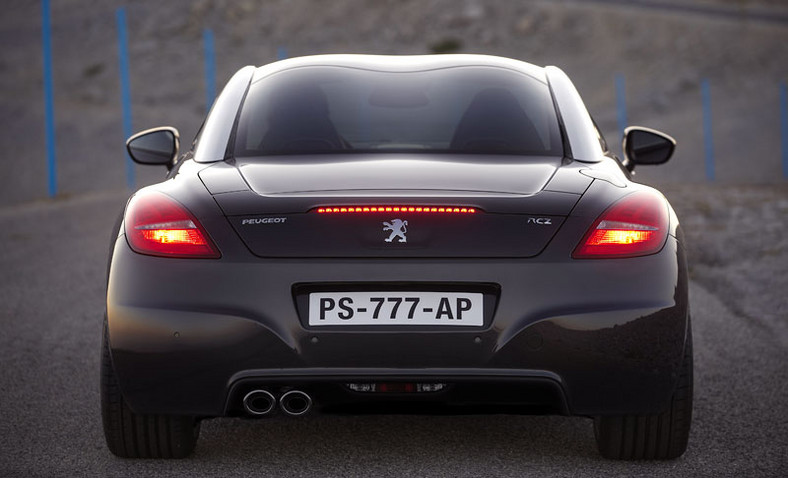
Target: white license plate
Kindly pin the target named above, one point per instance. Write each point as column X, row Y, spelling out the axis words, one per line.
column 396, row 308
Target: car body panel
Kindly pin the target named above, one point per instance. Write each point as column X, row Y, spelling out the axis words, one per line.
column 577, row 123
column 370, row 174
column 215, row 133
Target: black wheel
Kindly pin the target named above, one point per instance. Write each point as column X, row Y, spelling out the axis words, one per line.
column 131, row 435
column 651, row 437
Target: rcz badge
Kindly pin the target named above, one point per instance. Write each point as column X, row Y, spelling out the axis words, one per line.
column 398, row 228
column 542, row 221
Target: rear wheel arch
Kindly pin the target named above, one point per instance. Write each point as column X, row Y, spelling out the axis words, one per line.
column 662, row 436
column 132, row 435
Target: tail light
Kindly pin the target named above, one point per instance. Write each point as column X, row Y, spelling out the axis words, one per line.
column 636, row 225
column 158, row 225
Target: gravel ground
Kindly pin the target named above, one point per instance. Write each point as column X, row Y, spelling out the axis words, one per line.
column 738, row 248
column 52, row 266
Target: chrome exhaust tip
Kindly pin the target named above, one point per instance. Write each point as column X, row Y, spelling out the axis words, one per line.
column 295, row 403
column 259, row 402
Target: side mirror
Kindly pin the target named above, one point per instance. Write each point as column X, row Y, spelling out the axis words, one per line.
column 155, row 146
column 646, row 146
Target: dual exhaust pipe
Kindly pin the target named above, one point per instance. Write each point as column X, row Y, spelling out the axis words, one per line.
column 260, row 403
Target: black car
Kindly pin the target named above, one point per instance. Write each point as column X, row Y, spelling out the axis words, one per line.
column 442, row 234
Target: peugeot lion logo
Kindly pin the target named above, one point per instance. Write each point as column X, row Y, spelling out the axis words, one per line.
column 398, row 228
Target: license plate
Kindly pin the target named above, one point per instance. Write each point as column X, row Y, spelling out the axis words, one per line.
column 396, row 308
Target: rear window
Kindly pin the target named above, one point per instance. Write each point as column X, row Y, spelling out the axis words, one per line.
column 339, row 110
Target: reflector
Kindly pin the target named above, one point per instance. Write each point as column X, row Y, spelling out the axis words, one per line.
column 396, row 387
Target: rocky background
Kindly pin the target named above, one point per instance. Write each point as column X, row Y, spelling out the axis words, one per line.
column 663, row 48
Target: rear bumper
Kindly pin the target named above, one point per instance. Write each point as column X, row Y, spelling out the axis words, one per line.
column 576, row 337
column 464, row 390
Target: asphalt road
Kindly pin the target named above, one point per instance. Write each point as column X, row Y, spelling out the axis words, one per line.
column 52, row 266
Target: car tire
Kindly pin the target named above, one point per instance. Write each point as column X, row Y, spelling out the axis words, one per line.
column 651, row 437
column 133, row 435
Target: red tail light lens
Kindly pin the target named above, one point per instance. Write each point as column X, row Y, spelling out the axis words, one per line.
column 376, row 209
column 636, row 225
column 158, row 225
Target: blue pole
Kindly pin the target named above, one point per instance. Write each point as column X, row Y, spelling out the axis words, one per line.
column 49, row 103
column 281, row 53
column 705, row 90
column 125, row 89
column 210, row 68
column 621, row 103
column 784, row 126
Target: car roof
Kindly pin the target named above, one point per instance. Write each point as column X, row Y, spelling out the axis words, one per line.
column 401, row 63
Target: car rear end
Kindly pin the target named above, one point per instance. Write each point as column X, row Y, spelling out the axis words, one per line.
column 459, row 270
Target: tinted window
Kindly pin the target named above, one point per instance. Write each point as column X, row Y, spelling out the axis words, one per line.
column 343, row 110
